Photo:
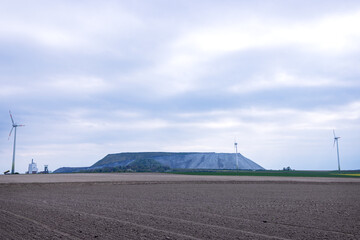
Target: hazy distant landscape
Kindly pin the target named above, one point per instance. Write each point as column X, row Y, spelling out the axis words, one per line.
column 194, row 163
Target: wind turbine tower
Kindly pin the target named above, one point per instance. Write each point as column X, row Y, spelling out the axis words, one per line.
column 236, row 154
column 336, row 139
column 14, row 125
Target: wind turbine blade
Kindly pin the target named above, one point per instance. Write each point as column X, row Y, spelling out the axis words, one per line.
column 21, row 125
column 334, row 133
column 12, row 120
column 10, row 132
column 334, row 142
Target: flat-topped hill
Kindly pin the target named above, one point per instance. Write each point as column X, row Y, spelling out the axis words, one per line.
column 185, row 160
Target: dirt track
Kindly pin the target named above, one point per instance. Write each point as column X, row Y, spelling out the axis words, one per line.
column 150, row 206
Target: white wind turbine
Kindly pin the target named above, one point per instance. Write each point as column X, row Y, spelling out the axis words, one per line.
column 336, row 139
column 14, row 125
column 236, row 155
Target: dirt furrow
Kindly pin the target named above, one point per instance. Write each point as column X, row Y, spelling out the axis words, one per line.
column 179, row 225
column 181, row 211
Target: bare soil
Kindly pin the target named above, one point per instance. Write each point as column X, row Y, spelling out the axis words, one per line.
column 163, row 206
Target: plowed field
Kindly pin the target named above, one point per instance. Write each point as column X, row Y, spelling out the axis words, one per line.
column 201, row 208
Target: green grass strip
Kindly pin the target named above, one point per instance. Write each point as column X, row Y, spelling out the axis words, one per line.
column 347, row 174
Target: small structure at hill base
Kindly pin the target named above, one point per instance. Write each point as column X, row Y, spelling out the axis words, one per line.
column 32, row 167
column 46, row 169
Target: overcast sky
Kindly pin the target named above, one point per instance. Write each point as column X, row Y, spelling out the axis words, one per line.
column 89, row 78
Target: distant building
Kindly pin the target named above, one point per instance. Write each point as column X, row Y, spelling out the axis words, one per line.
column 46, row 169
column 32, row 167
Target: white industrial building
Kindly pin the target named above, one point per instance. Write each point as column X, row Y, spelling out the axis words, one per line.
column 32, row 167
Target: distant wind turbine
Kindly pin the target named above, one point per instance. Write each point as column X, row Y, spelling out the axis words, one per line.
column 336, row 139
column 236, row 154
column 14, row 125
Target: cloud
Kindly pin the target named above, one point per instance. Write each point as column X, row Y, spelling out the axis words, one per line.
column 330, row 34
column 78, row 84
column 282, row 79
column 84, row 29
